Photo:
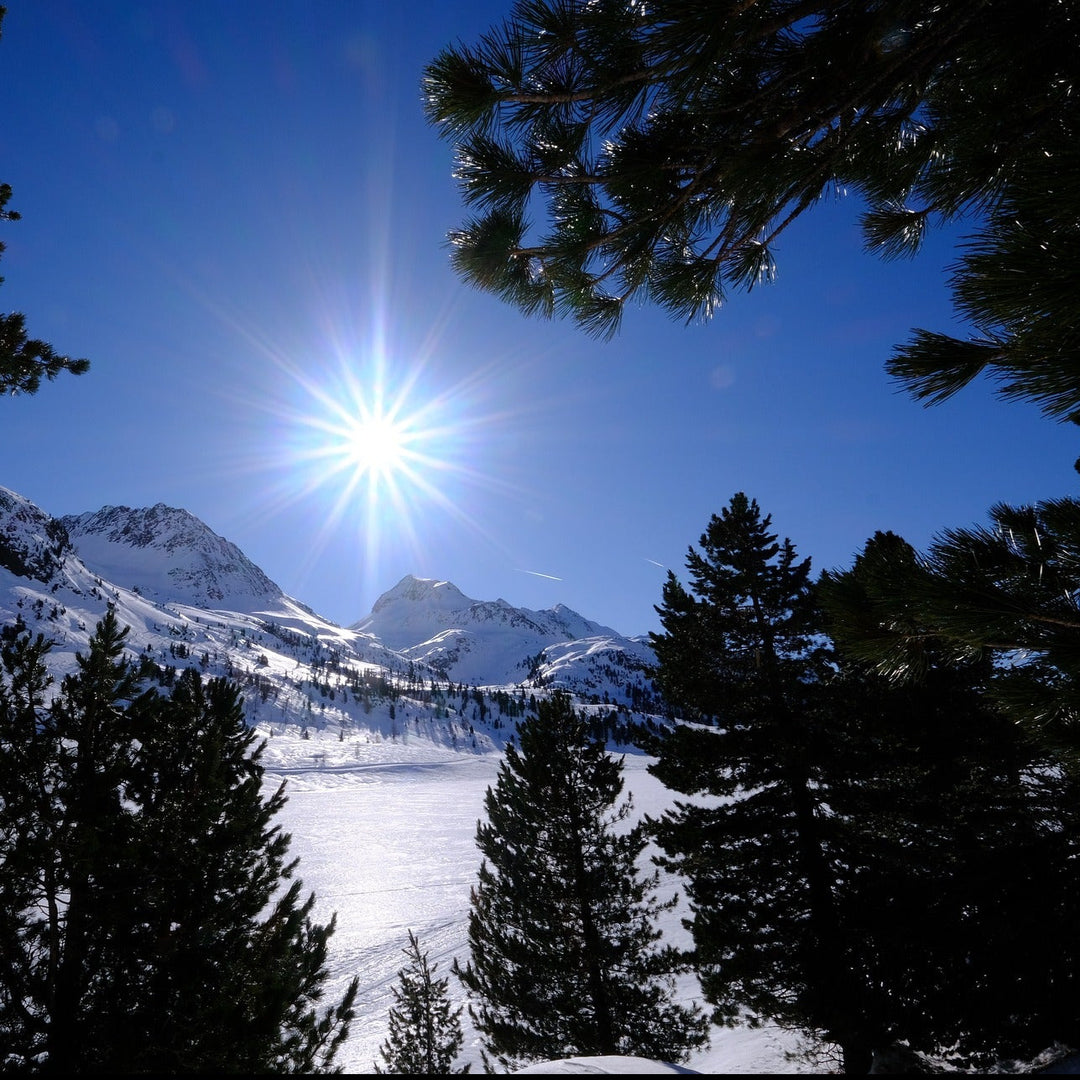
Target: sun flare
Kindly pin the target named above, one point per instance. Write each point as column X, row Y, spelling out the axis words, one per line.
column 383, row 447
column 366, row 441
column 384, row 453
column 376, row 444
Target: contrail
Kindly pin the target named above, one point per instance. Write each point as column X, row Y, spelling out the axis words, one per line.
column 536, row 573
column 654, row 562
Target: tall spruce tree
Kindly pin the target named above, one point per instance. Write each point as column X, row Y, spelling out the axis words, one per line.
column 845, row 866
column 565, row 953
column 666, row 147
column 425, row 1036
column 148, row 921
column 741, row 656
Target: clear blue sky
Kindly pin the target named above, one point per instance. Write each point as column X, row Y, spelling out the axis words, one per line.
column 237, row 212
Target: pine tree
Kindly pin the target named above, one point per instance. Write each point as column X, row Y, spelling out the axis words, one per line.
column 29, row 824
column 425, row 1033
column 1009, row 588
column 668, row 146
column 845, row 865
column 741, row 656
column 25, row 360
column 945, row 789
column 148, row 920
column 564, row 946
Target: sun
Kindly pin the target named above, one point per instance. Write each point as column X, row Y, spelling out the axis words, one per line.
column 379, row 446
column 365, row 437
column 387, row 451
column 366, row 440
column 376, row 444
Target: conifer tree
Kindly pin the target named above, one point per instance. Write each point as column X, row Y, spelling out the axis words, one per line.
column 666, row 147
column 945, row 789
column 1009, row 588
column 845, row 868
column 148, row 921
column 565, row 954
column 425, row 1034
column 741, row 656
column 25, row 360
column 29, row 824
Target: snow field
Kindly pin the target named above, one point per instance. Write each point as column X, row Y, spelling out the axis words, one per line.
column 389, row 846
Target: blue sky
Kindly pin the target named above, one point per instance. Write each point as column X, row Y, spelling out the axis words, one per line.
column 238, row 213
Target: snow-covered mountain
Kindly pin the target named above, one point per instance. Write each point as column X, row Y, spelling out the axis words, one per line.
column 491, row 642
column 170, row 555
column 192, row 597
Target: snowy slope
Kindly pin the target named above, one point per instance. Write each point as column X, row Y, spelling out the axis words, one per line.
column 493, row 643
column 170, row 555
column 191, row 597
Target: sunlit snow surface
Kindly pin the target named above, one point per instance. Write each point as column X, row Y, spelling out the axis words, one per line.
column 604, row 1066
column 385, row 836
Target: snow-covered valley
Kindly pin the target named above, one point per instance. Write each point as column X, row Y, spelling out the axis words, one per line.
column 386, row 842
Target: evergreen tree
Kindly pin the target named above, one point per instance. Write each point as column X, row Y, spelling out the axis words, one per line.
column 1009, row 589
column 845, row 867
column 425, row 1031
column 565, row 954
column 669, row 145
column 944, row 790
column 148, row 921
column 25, row 360
column 741, row 656
column 29, row 825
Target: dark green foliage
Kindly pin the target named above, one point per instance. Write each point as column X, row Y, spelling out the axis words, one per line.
column 24, row 360
column 425, row 1032
column 1009, row 589
column 963, row 827
column 147, row 920
column 565, row 954
column 869, row 862
column 740, row 654
column 667, row 146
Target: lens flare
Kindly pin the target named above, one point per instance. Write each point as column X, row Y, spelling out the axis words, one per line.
column 354, row 434
column 383, row 450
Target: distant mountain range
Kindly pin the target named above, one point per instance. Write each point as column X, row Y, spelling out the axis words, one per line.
column 192, row 597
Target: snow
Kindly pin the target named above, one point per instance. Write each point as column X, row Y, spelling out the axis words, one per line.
column 386, row 841
column 604, row 1066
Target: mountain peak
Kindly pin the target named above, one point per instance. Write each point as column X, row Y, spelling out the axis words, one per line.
column 484, row 642
column 170, row 555
column 429, row 592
